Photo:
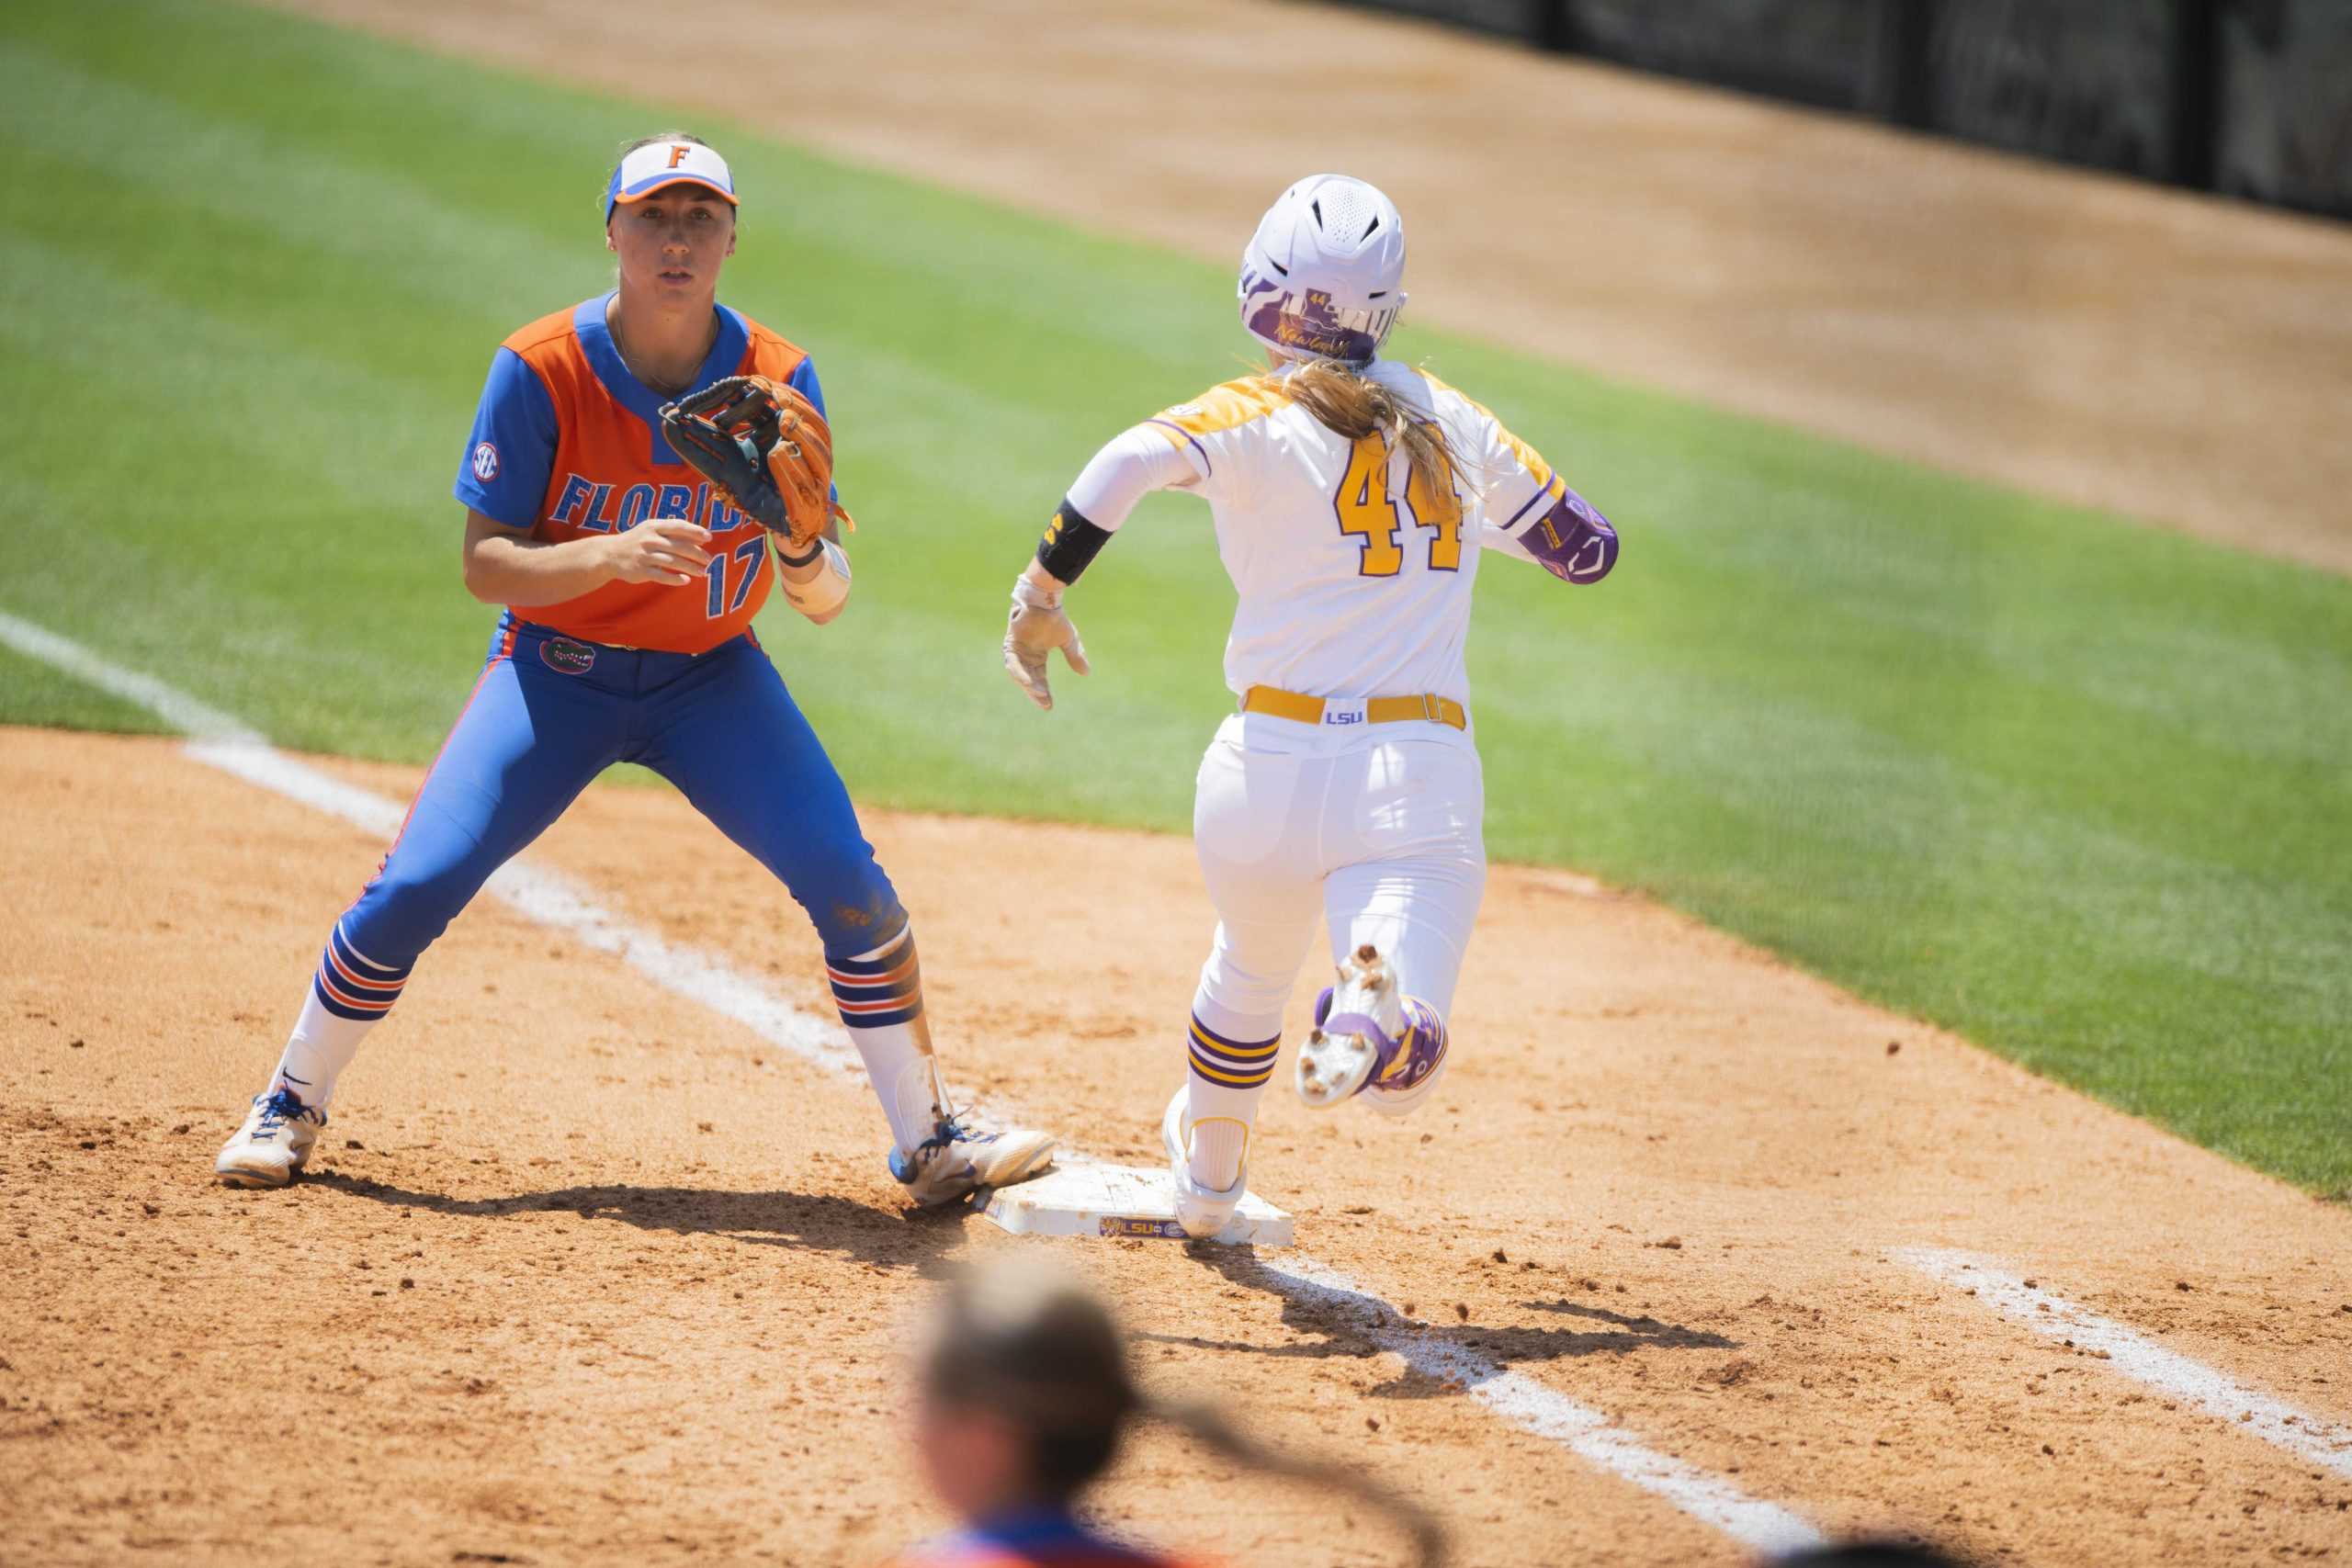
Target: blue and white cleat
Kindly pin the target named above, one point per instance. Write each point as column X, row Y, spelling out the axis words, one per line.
column 957, row 1161
column 274, row 1143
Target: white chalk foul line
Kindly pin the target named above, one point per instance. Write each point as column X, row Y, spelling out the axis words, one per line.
column 2134, row 1355
column 551, row 899
column 169, row 703
column 221, row 741
column 1529, row 1406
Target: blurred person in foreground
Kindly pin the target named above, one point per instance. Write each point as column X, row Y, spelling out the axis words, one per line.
column 1025, row 1397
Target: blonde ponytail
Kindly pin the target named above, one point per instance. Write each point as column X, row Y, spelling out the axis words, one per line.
column 1213, row 1430
column 1347, row 403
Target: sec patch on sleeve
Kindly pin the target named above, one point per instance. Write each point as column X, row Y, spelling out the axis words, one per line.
column 485, row 461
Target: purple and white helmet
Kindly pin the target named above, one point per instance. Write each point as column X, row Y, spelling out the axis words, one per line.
column 1319, row 277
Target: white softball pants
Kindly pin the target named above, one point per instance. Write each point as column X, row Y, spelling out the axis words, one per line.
column 1376, row 829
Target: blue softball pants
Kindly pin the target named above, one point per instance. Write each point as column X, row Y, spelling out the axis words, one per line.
column 549, row 714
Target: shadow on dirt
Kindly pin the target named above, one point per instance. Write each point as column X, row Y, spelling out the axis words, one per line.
column 1439, row 1358
column 889, row 1239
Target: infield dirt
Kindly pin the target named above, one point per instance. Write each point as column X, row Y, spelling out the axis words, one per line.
column 587, row 1272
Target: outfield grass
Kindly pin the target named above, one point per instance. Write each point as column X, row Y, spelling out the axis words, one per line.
column 2070, row 786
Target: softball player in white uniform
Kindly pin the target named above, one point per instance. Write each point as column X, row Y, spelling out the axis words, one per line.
column 1353, row 499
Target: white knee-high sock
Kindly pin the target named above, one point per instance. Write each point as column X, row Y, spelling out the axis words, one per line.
column 349, row 994
column 1227, row 1072
column 879, row 993
column 316, row 1052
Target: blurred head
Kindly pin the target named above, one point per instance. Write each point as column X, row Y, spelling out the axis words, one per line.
column 1322, row 278
column 670, row 216
column 1025, row 1395
column 1024, row 1391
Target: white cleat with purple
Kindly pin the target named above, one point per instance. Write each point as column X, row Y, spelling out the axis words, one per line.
column 1371, row 1039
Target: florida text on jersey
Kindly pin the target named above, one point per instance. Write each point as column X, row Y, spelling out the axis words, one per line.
column 567, row 444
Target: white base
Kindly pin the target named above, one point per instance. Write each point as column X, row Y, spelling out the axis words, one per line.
column 1084, row 1197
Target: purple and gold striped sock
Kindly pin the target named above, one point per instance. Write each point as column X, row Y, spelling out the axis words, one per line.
column 1231, row 1064
column 1223, row 1083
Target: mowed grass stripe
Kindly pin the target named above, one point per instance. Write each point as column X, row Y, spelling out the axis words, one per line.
column 2070, row 786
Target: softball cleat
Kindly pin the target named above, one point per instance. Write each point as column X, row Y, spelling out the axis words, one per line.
column 1200, row 1210
column 1368, row 1035
column 1353, row 1022
column 1411, row 1075
column 957, row 1161
column 273, row 1144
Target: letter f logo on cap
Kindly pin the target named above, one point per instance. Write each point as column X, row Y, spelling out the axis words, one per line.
column 660, row 165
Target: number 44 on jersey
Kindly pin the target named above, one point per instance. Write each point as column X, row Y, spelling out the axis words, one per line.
column 1369, row 513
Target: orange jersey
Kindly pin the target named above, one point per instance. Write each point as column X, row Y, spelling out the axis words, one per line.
column 567, row 444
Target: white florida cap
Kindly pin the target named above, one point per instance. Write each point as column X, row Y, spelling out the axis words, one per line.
column 660, row 165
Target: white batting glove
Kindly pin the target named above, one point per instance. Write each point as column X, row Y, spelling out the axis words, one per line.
column 1037, row 627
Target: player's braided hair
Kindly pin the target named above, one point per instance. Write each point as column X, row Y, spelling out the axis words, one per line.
column 1345, row 403
column 1041, row 1352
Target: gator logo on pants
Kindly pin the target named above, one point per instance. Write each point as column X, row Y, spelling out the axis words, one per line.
column 569, row 657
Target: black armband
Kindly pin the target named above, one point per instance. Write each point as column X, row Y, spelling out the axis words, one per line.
column 1070, row 543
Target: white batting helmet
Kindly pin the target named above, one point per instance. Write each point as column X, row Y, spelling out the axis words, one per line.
column 1319, row 277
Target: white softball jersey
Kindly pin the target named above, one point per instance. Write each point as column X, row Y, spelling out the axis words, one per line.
column 1352, row 582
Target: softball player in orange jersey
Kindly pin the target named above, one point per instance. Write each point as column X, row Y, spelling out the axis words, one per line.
column 629, row 589
column 1354, row 499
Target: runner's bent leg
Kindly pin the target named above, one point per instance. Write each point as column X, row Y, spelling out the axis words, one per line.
column 1414, row 810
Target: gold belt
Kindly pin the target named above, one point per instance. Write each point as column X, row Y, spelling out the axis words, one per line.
column 1377, row 710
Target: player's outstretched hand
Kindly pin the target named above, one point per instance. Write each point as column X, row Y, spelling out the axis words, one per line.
column 1037, row 627
column 664, row 549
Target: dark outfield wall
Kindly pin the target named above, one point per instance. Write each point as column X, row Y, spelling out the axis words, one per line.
column 2250, row 97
